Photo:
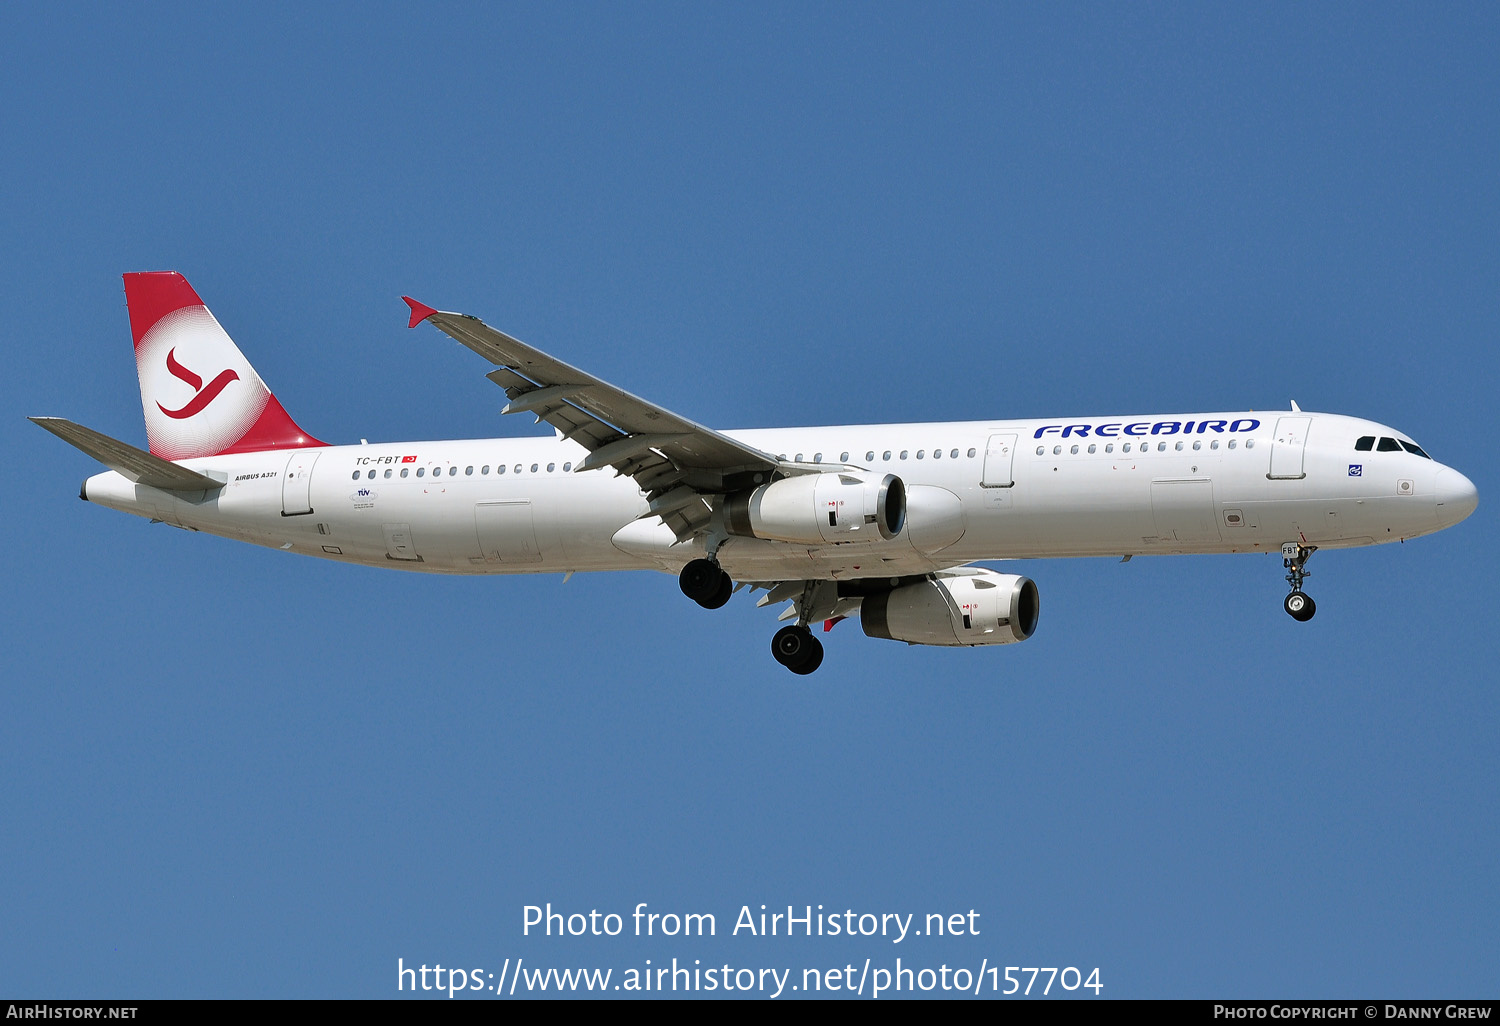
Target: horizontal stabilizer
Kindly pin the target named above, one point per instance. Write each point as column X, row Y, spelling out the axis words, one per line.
column 136, row 464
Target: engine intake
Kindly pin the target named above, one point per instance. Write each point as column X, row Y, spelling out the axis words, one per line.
column 973, row 607
column 820, row 509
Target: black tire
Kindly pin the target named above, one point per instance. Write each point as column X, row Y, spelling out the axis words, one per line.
column 1300, row 606
column 726, row 589
column 813, row 659
column 795, row 648
column 701, row 580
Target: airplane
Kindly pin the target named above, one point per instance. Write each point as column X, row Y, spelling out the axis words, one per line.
column 882, row 521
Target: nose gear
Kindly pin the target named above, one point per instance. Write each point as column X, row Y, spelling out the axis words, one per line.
column 1294, row 557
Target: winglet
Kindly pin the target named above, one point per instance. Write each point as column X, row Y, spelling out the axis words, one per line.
column 419, row 311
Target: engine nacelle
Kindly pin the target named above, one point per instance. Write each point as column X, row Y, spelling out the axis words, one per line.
column 820, row 509
column 961, row 607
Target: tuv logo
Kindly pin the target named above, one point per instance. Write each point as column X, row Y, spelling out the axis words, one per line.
column 204, row 396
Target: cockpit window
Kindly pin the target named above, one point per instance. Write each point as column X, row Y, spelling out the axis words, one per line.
column 1388, row 445
column 1414, row 449
column 1365, row 444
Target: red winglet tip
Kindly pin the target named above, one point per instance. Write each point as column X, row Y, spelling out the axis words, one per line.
column 419, row 311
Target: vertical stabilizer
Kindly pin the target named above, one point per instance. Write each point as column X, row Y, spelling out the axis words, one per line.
column 200, row 395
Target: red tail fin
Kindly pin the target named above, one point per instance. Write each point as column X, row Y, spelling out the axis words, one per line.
column 200, row 395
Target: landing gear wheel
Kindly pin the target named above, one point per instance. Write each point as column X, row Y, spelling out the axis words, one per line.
column 795, row 648
column 1300, row 606
column 1294, row 556
column 726, row 589
column 704, row 583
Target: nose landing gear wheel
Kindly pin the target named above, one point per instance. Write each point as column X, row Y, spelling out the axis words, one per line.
column 706, row 584
column 797, row 649
column 1300, row 606
column 1294, row 557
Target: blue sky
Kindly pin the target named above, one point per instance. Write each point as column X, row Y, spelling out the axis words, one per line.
column 232, row 772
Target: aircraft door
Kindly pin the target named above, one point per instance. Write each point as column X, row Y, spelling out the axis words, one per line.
column 999, row 455
column 507, row 532
column 398, row 543
column 1184, row 510
column 296, row 483
column 1289, row 447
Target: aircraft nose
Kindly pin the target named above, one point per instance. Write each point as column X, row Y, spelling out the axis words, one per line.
column 1456, row 496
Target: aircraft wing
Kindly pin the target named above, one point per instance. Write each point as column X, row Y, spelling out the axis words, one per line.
column 676, row 462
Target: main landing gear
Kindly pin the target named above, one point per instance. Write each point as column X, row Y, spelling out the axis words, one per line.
column 706, row 583
column 795, row 648
column 1294, row 557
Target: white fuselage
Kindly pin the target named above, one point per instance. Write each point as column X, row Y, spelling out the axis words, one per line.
column 1190, row 483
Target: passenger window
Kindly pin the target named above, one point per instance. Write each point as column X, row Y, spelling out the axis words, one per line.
column 904, row 453
column 1109, row 446
column 567, row 467
column 817, row 457
column 485, row 469
column 371, row 475
column 1197, row 444
column 1388, row 445
column 921, row 453
column 937, row 454
column 1162, row 446
column 1093, row 448
column 1074, row 450
column 844, row 457
column 886, row 455
column 421, row 471
column 468, row 472
column 798, row 458
column 971, row 454
column 1214, row 444
column 533, row 468
column 1057, row 450
column 387, row 474
column 870, row 456
column 953, row 455
column 1041, row 449
column 404, row 471
column 1365, row 443
column 551, row 467
column 518, row 468
column 1232, row 443
column 356, row 476
column 1178, row 446
column 500, row 468
column 1126, row 447
column 1249, row 443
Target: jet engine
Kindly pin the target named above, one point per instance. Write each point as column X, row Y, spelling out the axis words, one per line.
column 820, row 509
column 957, row 607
